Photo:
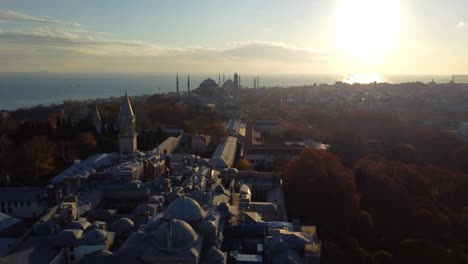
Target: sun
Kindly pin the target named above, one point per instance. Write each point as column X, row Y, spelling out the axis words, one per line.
column 365, row 30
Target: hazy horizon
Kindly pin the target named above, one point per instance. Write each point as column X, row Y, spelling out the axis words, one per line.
column 339, row 37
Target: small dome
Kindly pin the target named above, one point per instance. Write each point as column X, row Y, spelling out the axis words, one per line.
column 95, row 237
column 82, row 225
column 214, row 256
column 184, row 208
column 198, row 195
column 134, row 184
column 156, row 199
column 245, row 189
column 208, row 225
column 174, row 235
column 223, row 207
column 123, row 225
column 144, row 209
column 67, row 237
column 219, row 188
column 152, row 224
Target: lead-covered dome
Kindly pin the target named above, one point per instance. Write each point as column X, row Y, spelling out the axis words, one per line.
column 173, row 235
column 184, row 208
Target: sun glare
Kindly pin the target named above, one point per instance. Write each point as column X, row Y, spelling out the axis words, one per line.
column 366, row 30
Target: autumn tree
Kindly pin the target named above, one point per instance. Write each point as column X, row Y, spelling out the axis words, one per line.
column 321, row 191
column 243, row 164
column 6, row 149
column 38, row 155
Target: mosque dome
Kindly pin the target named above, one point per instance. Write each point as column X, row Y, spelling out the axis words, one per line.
column 123, row 225
column 214, row 256
column 173, row 235
column 208, row 83
column 208, row 88
column 184, row 208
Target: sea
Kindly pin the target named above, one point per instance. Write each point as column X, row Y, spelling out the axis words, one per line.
column 23, row 90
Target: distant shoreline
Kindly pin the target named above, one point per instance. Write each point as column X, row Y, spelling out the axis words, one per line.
column 27, row 90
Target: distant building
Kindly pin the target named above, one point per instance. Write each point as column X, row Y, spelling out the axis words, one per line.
column 267, row 125
column 267, row 156
column 127, row 128
column 225, row 154
column 23, row 202
column 200, row 142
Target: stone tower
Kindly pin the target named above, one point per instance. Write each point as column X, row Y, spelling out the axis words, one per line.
column 127, row 129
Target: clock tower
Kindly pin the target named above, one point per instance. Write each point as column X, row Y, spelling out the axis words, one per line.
column 127, row 129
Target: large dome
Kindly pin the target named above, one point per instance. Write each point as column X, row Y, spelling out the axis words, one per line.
column 208, row 83
column 184, row 208
column 174, row 235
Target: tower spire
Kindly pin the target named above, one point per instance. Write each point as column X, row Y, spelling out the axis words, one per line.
column 219, row 80
column 177, row 83
column 127, row 131
column 188, row 83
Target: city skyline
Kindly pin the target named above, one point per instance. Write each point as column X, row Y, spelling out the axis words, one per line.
column 310, row 37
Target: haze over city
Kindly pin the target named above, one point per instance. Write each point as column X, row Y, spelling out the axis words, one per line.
column 234, row 132
column 338, row 36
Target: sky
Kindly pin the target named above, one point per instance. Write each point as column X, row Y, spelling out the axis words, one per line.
column 248, row 36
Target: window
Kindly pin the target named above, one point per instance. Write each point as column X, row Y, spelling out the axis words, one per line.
column 21, row 203
column 72, row 257
column 9, row 210
column 3, row 211
column 15, row 204
column 28, row 203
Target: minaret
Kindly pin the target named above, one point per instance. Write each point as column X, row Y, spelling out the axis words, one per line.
column 258, row 82
column 97, row 121
column 188, row 83
column 223, row 79
column 127, row 129
column 177, row 83
column 255, row 83
column 219, row 80
column 240, row 81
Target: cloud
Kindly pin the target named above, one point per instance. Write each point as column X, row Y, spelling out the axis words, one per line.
column 78, row 49
column 461, row 24
column 11, row 15
column 276, row 50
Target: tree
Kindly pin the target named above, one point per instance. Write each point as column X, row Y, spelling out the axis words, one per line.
column 86, row 143
column 413, row 251
column 243, row 164
column 39, row 156
column 321, row 191
column 6, row 149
